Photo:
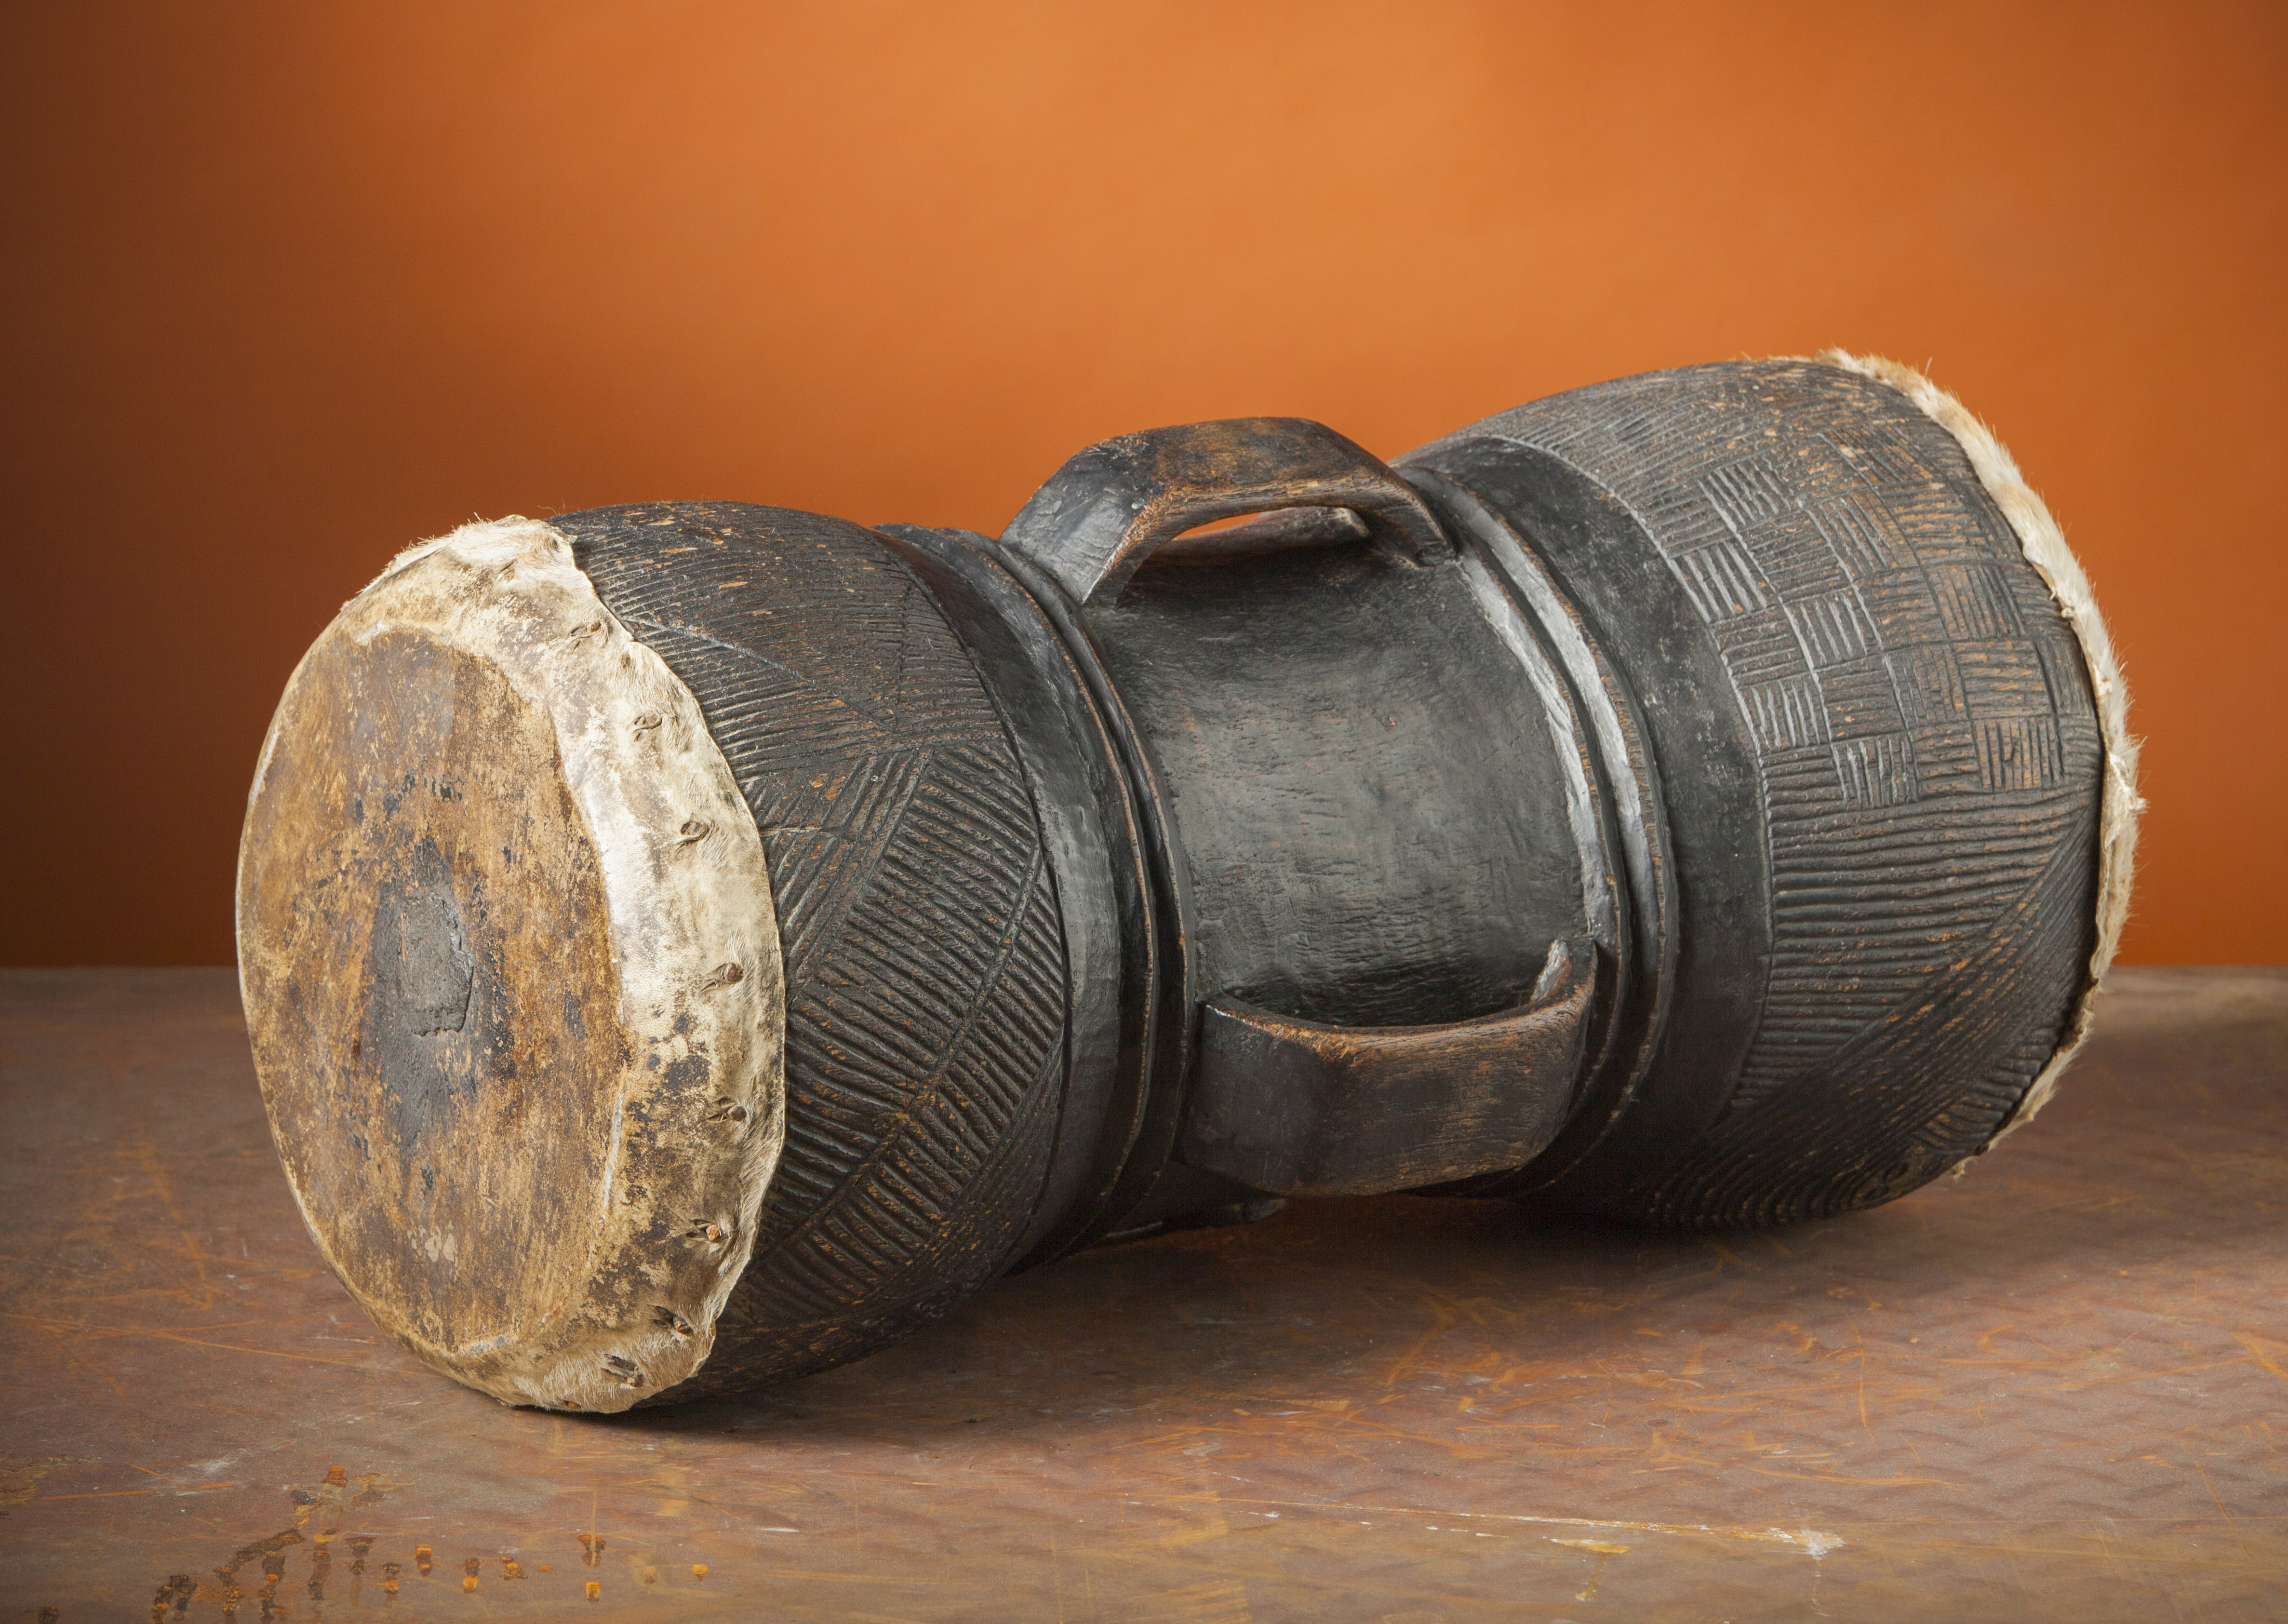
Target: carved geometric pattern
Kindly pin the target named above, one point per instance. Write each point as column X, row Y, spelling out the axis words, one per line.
column 1929, row 747
column 917, row 918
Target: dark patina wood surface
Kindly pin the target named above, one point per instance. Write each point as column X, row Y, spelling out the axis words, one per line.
column 2054, row 1390
column 925, row 966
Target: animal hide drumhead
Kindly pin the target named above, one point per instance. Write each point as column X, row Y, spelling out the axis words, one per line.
column 512, row 977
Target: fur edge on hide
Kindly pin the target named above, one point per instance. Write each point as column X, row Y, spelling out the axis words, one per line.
column 2043, row 545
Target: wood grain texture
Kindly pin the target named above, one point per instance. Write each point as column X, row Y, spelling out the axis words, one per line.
column 512, row 977
column 926, row 992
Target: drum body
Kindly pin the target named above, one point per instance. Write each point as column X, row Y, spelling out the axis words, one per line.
column 1682, row 801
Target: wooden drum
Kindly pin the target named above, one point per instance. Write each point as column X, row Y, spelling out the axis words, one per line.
column 693, row 945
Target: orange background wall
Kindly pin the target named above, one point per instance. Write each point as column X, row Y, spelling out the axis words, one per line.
column 289, row 286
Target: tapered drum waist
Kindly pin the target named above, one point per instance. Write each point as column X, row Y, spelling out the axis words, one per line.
column 694, row 944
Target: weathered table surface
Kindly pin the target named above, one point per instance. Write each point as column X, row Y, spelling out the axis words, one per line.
column 2055, row 1389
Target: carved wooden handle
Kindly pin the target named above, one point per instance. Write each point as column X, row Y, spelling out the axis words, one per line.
column 1302, row 1107
column 1106, row 510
